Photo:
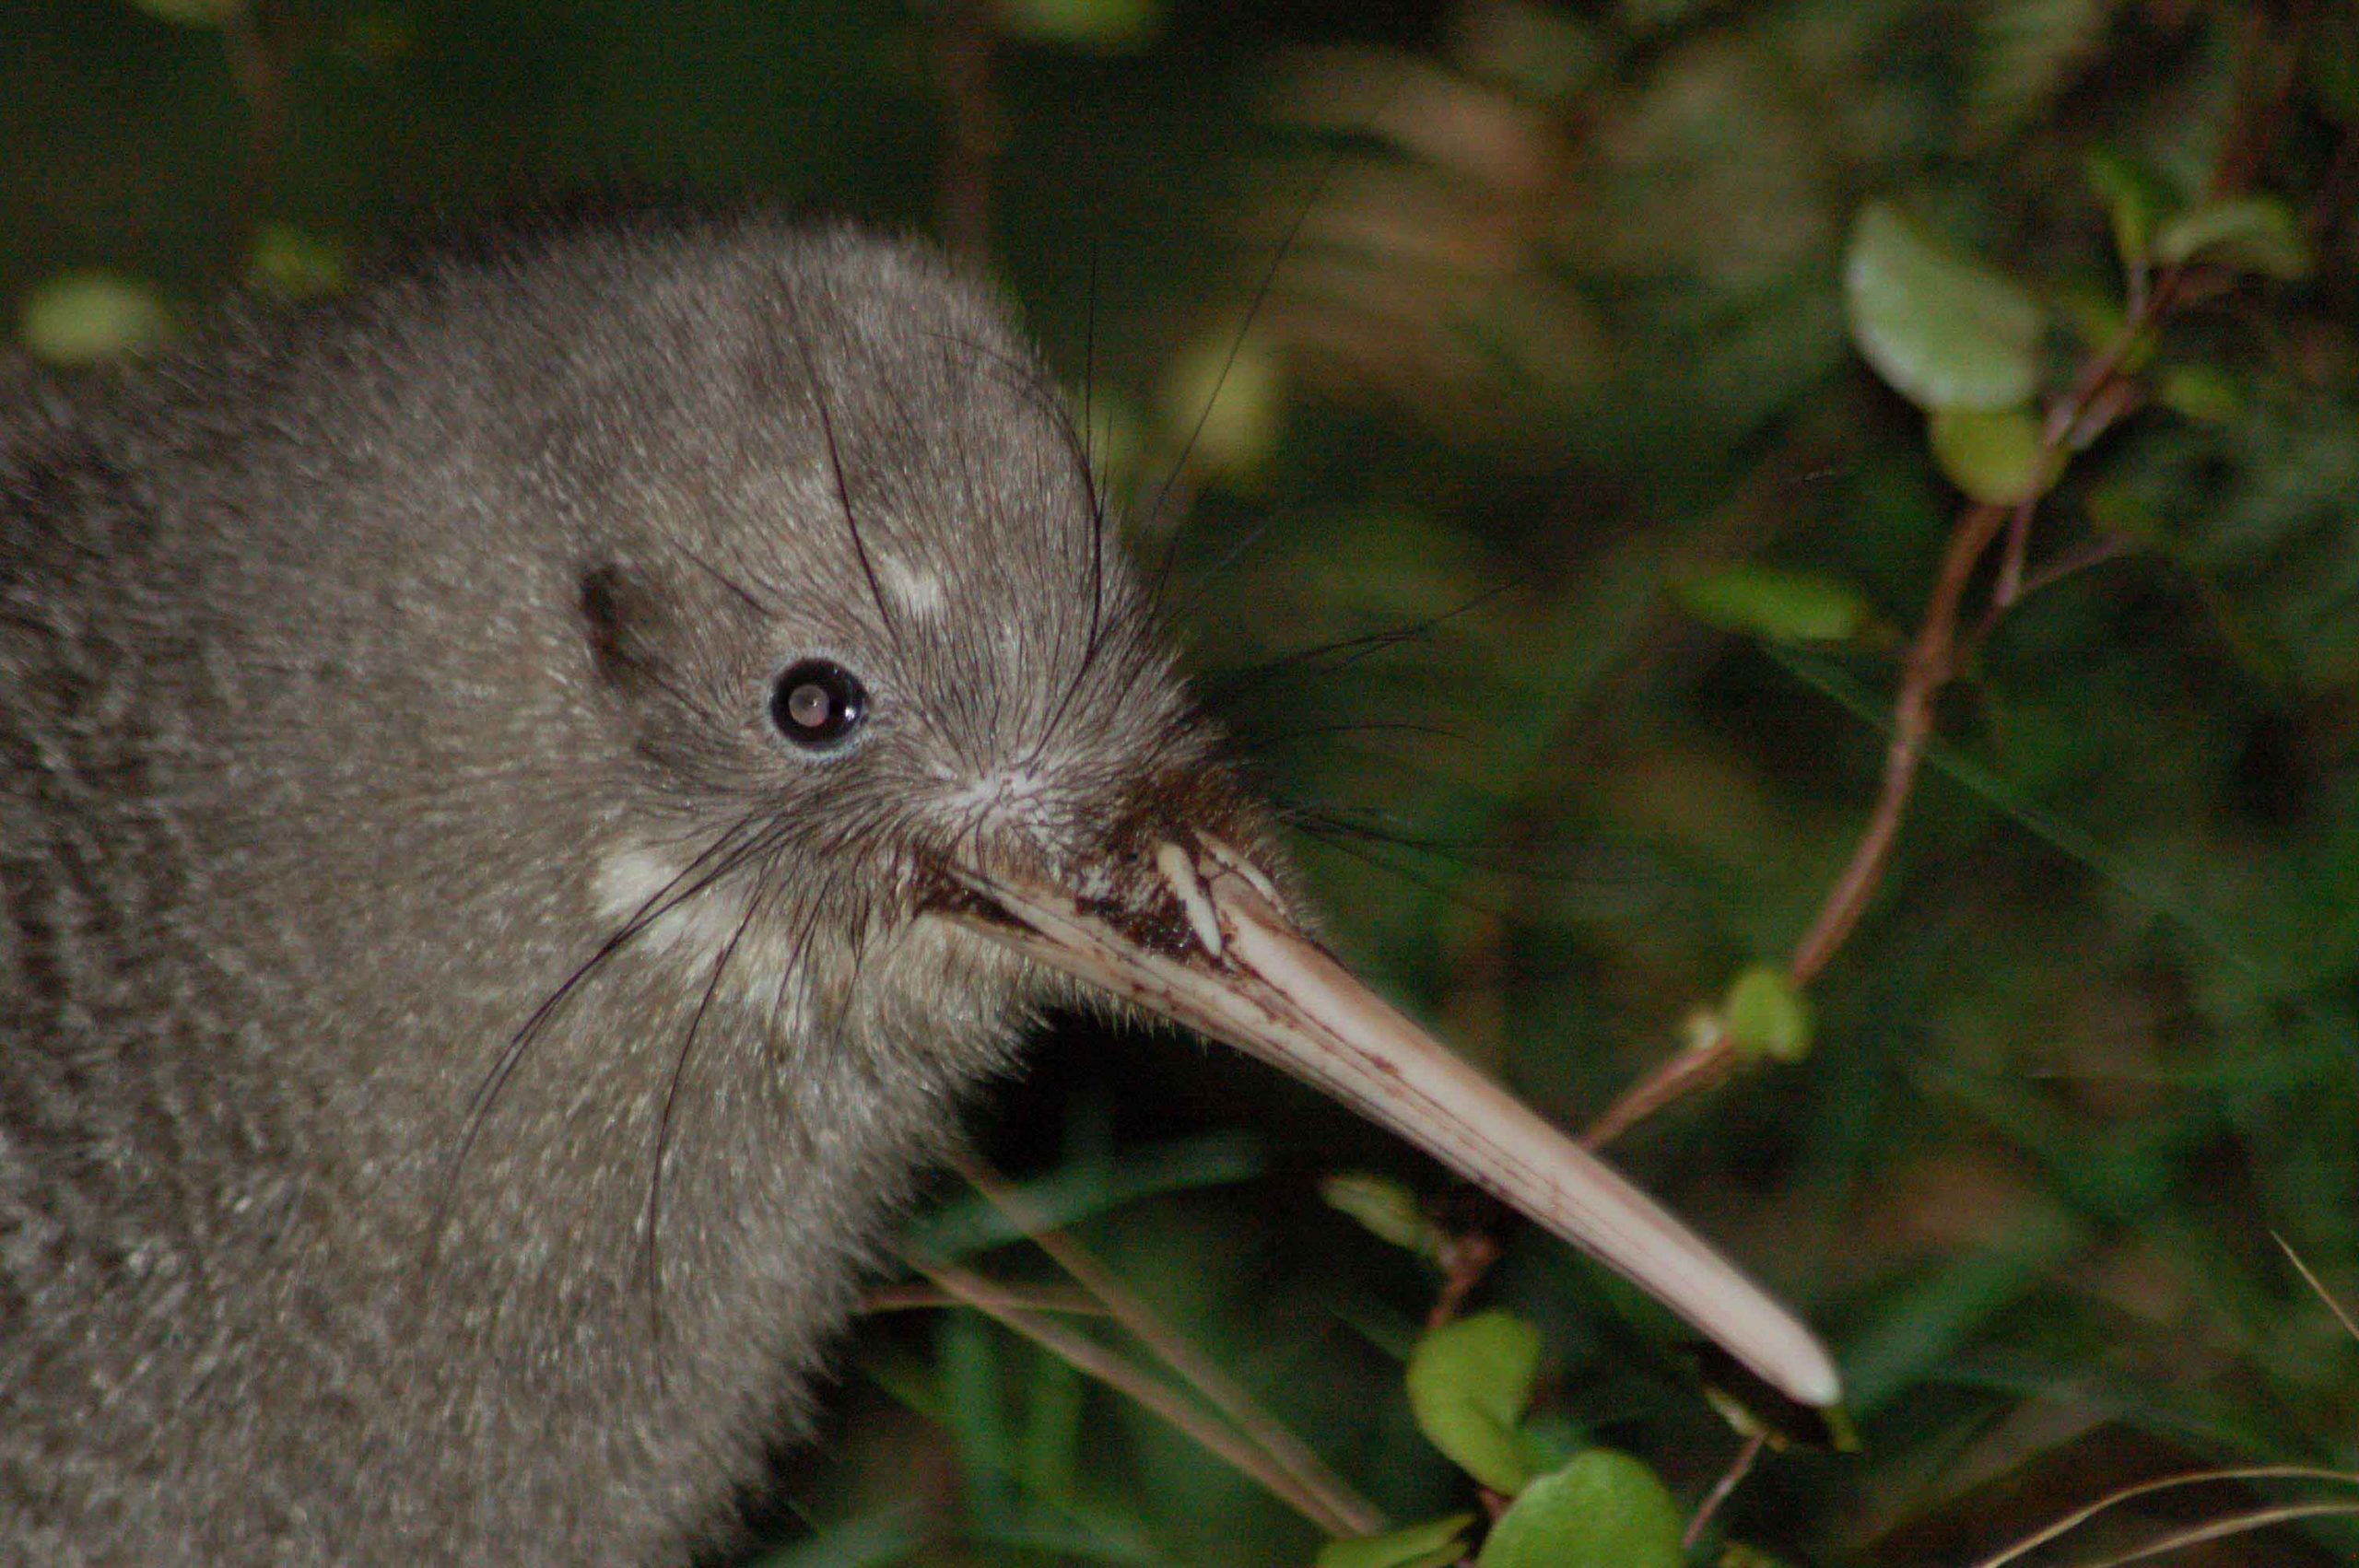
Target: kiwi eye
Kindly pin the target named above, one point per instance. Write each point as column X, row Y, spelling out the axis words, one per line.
column 818, row 702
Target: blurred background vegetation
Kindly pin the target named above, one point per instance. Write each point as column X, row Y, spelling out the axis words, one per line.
column 1561, row 544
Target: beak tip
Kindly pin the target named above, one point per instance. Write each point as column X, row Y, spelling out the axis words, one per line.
column 1822, row 1387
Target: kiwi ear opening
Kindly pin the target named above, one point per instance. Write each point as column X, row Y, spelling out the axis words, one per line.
column 617, row 617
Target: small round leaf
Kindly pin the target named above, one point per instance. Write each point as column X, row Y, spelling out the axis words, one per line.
column 1943, row 328
column 81, row 318
column 1766, row 1015
column 1995, row 455
column 1604, row 1510
column 1226, row 398
column 1429, row 1545
column 1469, row 1382
column 2134, row 196
column 2202, row 392
column 2255, row 234
column 1385, row 1207
column 295, row 265
column 1785, row 605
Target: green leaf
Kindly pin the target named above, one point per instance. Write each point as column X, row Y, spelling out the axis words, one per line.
column 296, row 265
column 972, row 1380
column 1469, row 1382
column 1385, row 1207
column 193, row 13
column 1103, row 27
column 2097, row 317
column 1767, row 1016
column 1428, row 1545
column 1082, row 1190
column 1994, row 455
column 1049, row 1454
column 1225, row 398
column 2135, row 197
column 1764, row 601
column 2255, row 234
column 2030, row 50
column 2118, row 508
column 871, row 1540
column 2202, row 392
column 1917, row 1329
column 81, row 318
column 1069, row 1532
column 1604, row 1510
column 1945, row 330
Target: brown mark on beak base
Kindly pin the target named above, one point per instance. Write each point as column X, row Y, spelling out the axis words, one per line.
column 1208, row 945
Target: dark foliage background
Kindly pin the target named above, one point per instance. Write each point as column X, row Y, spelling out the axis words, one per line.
column 1528, row 320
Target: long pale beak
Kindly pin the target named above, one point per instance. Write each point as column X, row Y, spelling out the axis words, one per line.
column 1218, row 953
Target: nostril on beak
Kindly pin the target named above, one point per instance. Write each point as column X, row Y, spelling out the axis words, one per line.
column 1178, row 869
column 1229, row 858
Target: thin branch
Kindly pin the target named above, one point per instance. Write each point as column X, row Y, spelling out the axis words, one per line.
column 2077, row 418
column 2010, row 586
column 1924, row 672
column 1702, row 1066
column 1466, row 1258
column 2081, row 1515
column 2094, row 553
column 1730, row 1479
column 2098, row 395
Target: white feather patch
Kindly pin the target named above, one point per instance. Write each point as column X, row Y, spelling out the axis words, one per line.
column 914, row 590
column 646, row 887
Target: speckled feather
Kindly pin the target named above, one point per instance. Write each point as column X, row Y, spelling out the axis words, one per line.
column 394, row 850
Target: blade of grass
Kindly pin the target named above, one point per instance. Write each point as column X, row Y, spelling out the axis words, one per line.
column 2081, row 1515
column 1176, row 1351
column 2235, row 1525
column 872, row 1540
column 1079, row 1191
column 1160, row 1399
column 2332, row 1305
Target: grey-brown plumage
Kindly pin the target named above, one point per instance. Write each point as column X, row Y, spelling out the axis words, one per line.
column 396, row 847
column 525, row 795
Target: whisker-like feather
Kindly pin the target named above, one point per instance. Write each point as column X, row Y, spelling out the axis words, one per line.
column 1344, row 844
column 753, row 909
column 1153, row 517
column 843, row 485
column 737, row 590
column 1344, row 652
column 714, row 863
